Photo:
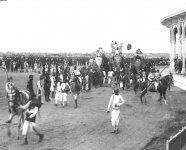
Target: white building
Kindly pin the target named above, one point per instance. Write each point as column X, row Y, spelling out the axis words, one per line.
column 176, row 22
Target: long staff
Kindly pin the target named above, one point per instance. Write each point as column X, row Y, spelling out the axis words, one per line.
column 156, row 77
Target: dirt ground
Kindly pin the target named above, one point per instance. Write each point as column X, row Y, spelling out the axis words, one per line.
column 142, row 127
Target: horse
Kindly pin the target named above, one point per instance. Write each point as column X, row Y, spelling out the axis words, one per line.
column 162, row 87
column 21, row 99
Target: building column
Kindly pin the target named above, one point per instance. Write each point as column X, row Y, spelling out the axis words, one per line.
column 179, row 43
column 171, row 68
column 183, row 48
column 174, row 42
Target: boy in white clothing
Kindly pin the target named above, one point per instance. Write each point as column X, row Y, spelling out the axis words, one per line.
column 65, row 89
column 115, row 102
column 40, row 88
column 58, row 92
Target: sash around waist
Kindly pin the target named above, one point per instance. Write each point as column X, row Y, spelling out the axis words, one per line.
column 115, row 108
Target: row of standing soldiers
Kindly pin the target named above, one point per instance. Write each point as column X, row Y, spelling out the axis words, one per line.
column 13, row 63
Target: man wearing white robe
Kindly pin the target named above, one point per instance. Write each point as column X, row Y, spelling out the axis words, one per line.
column 115, row 102
column 58, row 92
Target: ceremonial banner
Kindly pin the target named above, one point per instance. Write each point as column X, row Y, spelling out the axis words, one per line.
column 129, row 46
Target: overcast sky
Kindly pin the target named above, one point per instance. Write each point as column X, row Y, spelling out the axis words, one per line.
column 84, row 25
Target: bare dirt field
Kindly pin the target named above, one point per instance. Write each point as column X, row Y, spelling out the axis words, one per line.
column 142, row 127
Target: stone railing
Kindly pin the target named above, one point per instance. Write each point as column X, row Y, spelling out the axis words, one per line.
column 177, row 141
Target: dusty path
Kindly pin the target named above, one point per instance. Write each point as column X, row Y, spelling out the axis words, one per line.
column 88, row 127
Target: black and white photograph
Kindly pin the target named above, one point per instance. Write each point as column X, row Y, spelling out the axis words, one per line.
column 92, row 75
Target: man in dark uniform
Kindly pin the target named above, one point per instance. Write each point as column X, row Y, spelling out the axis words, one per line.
column 30, row 87
column 47, row 83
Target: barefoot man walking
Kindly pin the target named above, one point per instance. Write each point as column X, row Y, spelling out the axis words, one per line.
column 115, row 102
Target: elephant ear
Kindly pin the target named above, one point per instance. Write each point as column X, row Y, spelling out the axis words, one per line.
column 129, row 46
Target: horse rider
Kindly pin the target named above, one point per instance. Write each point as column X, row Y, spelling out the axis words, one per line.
column 11, row 96
column 158, row 74
column 157, row 78
column 152, row 77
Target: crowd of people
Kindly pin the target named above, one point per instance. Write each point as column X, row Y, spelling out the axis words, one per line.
column 59, row 76
column 37, row 63
column 21, row 63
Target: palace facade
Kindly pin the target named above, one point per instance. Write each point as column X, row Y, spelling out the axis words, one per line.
column 176, row 23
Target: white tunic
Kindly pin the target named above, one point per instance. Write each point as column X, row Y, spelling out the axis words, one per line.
column 77, row 72
column 115, row 102
column 110, row 73
column 52, row 79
